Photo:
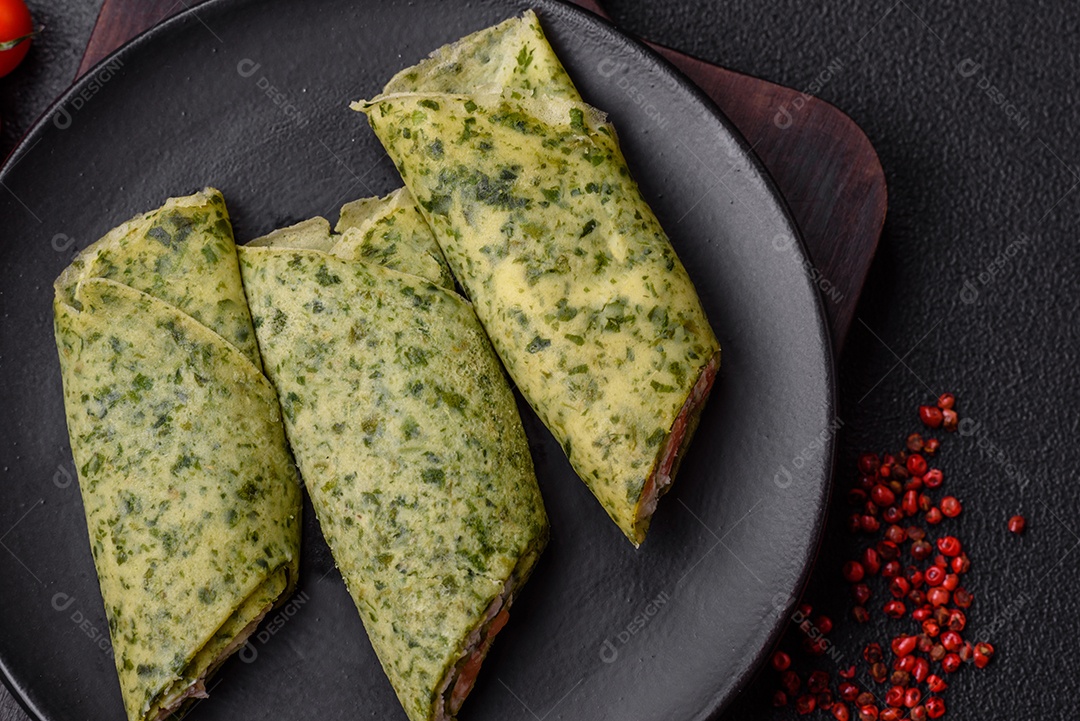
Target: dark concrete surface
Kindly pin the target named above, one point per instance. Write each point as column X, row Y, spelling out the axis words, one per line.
column 973, row 109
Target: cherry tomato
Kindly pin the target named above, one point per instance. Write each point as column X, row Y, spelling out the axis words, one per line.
column 16, row 29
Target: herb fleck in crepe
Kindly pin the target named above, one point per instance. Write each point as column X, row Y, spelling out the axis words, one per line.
column 576, row 283
column 407, row 435
column 191, row 500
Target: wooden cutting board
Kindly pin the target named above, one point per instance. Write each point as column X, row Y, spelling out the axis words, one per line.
column 819, row 158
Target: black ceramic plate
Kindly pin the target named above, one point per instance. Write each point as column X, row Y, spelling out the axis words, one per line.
column 251, row 97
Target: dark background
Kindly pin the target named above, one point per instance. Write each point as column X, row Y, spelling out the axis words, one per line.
column 974, row 112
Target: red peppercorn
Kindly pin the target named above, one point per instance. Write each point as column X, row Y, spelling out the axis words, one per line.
column 925, row 643
column 854, row 524
column 890, row 569
column 805, row 704
column 889, row 714
column 910, row 502
column 950, row 507
column 892, row 514
column 937, row 652
column 962, row 597
column 914, row 443
column 903, row 645
column 983, row 653
column 898, row 677
column 865, row 699
column 956, row 620
column 922, row 613
column 934, row 516
column 961, row 564
column 951, row 663
column 904, row 664
column 937, row 596
column 946, row 401
column 878, row 672
column 950, row 421
column 913, row 484
column 934, row 575
column 931, row 627
column 921, row 670
column 936, row 683
column 916, row 464
column 840, row 712
column 933, row 478
column 912, row 697
column 949, row 545
column 814, row 647
column 870, row 561
column 818, row 682
column 951, row 582
column 848, row 673
column 847, row 690
column 917, row 714
column 790, row 682
column 861, row 593
column 853, row 572
column 921, row 550
column 887, row 550
column 824, row 624
column 935, row 707
column 896, row 534
column 951, row 640
column 868, row 713
column 856, row 497
column 916, row 533
column 779, row 699
column 899, row 587
column 895, row 696
column 872, row 654
column 966, row 651
column 869, row 524
column 941, row 562
column 1016, row 524
column 860, row 614
column 868, row 463
column 895, row 609
column 931, row 416
column 914, row 576
column 781, row 661
column 882, row 495
column 930, row 446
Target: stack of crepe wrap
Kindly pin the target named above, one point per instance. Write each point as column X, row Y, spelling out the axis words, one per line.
column 407, row 436
column 192, row 503
column 574, row 280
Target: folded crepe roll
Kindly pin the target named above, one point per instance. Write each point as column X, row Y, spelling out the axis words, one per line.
column 573, row 278
column 407, row 436
column 191, row 499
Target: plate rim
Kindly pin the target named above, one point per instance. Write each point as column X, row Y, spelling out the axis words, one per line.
column 748, row 667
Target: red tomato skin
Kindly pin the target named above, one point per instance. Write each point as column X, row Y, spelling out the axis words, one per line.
column 15, row 22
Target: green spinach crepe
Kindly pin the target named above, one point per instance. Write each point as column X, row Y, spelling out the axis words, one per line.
column 574, row 280
column 191, row 499
column 407, row 435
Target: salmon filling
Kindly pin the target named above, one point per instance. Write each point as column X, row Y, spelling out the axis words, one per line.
column 682, row 430
column 461, row 677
